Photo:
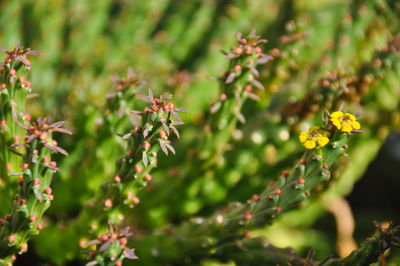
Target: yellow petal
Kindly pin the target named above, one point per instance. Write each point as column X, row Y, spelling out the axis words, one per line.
column 303, row 137
column 310, row 144
column 337, row 114
column 347, row 128
column 356, row 125
column 323, row 141
column 336, row 123
column 350, row 116
column 314, row 128
column 325, row 133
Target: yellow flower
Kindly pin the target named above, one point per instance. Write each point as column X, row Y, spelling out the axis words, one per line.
column 314, row 136
column 344, row 122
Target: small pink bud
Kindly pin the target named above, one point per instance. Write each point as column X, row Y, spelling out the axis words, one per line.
column 2, row 222
column 248, row 88
column 15, row 138
column 285, row 173
column 243, row 42
column 117, row 178
column 35, row 151
column 3, row 123
column 47, row 190
column 12, row 72
column 247, row 234
column 28, row 84
column 302, row 161
column 138, row 169
column 129, row 153
column 146, row 145
column 136, row 200
column 39, row 227
column 23, row 247
column 21, row 79
column 278, row 209
column 22, row 202
column 51, row 197
column 25, row 166
column 277, row 191
column 258, row 50
column 223, row 97
column 248, row 49
column 302, row 180
column 3, row 86
column 129, row 195
column 108, row 203
column 27, row 117
column 123, row 241
column 248, row 216
column 8, row 217
column 8, row 166
column 118, row 263
column 238, row 68
column 36, row 181
column 11, row 238
column 33, row 218
column 46, row 159
column 53, row 164
column 21, row 181
column 256, row 198
column 325, row 166
column 148, row 177
column 162, row 134
column 239, row 51
column 103, row 237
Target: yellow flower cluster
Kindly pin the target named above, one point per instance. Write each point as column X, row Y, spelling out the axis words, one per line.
column 345, row 122
column 314, row 136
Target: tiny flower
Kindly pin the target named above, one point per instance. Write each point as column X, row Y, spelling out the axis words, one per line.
column 33, row 218
column 108, row 203
column 248, row 216
column 123, row 241
column 135, row 200
column 314, row 136
column 345, row 122
column 39, row 227
column 117, row 178
column 23, row 247
column 11, row 238
column 47, row 190
column 277, row 191
column 148, row 177
column 12, row 72
column 256, row 198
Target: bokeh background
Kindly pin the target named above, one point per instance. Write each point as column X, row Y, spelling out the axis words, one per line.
column 176, row 45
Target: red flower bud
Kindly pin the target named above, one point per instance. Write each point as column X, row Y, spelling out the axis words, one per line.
column 123, row 241
column 25, row 166
column 36, row 181
column 8, row 217
column 28, row 84
column 46, row 159
column 103, row 237
column 248, row 216
column 239, row 51
column 21, row 79
column 223, row 96
column 148, row 177
column 302, row 161
column 118, row 263
column 285, row 173
column 12, row 72
column 3, row 86
column 2, row 222
column 302, row 180
column 258, row 50
column 23, row 247
column 136, row 200
column 11, row 238
column 138, row 169
column 277, row 191
column 238, row 68
column 47, row 190
column 117, row 178
column 108, row 203
column 256, row 198
column 247, row 234
column 33, row 218
column 39, row 227
column 278, row 209
column 146, row 145
column 162, row 134
column 51, row 197
column 21, row 181
column 53, row 164
column 325, row 166
column 22, row 202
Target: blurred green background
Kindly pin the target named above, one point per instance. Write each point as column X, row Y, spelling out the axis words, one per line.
column 175, row 44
